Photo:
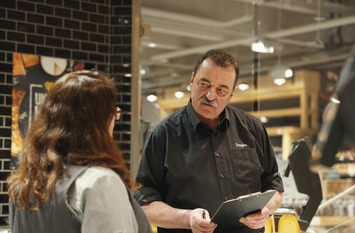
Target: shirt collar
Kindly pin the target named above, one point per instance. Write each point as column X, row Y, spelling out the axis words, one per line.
column 225, row 122
column 195, row 120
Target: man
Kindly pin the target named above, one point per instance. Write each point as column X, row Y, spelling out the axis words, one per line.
column 206, row 153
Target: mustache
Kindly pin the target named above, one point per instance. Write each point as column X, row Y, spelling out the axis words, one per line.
column 204, row 100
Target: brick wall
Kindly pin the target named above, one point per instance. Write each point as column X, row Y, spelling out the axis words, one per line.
column 95, row 31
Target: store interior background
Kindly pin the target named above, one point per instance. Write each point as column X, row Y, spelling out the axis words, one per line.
column 313, row 38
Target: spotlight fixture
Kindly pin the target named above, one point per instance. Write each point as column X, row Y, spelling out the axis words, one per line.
column 243, row 86
column 280, row 73
column 152, row 45
column 179, row 94
column 335, row 100
column 279, row 81
column 152, row 98
column 264, row 119
column 259, row 47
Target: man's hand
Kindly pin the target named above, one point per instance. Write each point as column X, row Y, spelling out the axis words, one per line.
column 256, row 220
column 200, row 221
column 259, row 219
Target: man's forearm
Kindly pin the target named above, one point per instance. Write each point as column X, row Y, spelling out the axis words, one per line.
column 162, row 215
column 275, row 201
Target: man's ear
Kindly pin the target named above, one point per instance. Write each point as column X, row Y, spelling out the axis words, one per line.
column 234, row 90
column 192, row 80
column 192, row 77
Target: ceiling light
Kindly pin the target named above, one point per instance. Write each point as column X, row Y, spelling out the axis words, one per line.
column 152, row 98
column 142, row 71
column 152, row 45
column 243, row 86
column 264, row 119
column 259, row 47
column 279, row 81
column 334, row 100
column 280, row 72
column 288, row 73
column 179, row 94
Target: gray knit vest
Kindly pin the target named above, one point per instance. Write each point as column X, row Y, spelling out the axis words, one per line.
column 55, row 217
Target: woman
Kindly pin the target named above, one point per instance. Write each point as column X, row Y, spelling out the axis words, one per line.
column 72, row 177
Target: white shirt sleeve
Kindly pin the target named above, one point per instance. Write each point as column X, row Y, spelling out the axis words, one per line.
column 99, row 200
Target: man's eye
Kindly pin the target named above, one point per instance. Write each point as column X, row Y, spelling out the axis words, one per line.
column 222, row 91
column 203, row 85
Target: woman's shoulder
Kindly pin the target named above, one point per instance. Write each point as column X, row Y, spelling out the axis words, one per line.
column 102, row 171
column 99, row 190
column 96, row 175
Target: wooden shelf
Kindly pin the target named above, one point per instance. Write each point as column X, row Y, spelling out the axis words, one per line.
column 332, row 187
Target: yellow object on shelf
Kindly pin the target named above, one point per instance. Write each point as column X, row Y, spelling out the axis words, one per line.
column 270, row 225
column 154, row 229
column 288, row 224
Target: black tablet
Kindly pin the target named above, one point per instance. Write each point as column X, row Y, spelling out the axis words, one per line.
column 229, row 212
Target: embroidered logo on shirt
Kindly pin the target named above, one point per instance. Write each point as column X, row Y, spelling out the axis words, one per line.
column 241, row 145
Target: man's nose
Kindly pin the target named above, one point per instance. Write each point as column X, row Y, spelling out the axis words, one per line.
column 211, row 93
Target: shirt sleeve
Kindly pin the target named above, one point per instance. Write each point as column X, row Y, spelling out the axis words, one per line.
column 100, row 201
column 151, row 172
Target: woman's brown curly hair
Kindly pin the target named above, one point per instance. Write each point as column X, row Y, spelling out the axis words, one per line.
column 70, row 128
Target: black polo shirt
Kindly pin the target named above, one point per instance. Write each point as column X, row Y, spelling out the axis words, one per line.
column 188, row 165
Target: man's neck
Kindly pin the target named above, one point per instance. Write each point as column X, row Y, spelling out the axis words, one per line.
column 212, row 123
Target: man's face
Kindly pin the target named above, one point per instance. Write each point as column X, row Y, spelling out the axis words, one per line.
column 211, row 89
